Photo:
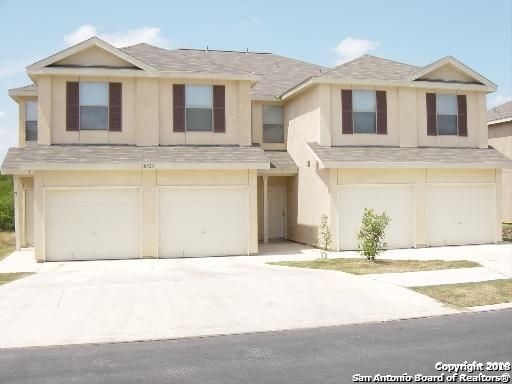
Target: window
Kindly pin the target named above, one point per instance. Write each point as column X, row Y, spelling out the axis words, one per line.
column 31, row 120
column 364, row 108
column 199, row 108
column 273, row 127
column 93, row 106
column 446, row 114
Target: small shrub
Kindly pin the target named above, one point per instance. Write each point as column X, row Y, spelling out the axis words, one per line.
column 6, row 204
column 325, row 237
column 372, row 233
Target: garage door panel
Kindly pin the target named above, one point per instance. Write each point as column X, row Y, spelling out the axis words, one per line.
column 202, row 222
column 397, row 200
column 92, row 224
column 461, row 214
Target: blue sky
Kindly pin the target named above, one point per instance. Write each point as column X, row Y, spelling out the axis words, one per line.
column 477, row 32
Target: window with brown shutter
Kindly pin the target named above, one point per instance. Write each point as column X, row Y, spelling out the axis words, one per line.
column 72, row 106
column 462, row 115
column 178, row 110
column 431, row 114
column 115, row 107
column 219, row 110
column 382, row 116
column 346, row 112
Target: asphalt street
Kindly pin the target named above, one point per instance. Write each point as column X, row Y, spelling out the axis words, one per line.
column 322, row 355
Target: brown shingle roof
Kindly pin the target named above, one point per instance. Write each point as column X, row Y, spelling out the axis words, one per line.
column 374, row 157
column 502, row 111
column 370, row 68
column 277, row 73
column 41, row 157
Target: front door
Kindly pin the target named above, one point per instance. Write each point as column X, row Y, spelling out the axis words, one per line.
column 276, row 212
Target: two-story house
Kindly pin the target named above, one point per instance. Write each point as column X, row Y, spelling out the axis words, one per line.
column 146, row 152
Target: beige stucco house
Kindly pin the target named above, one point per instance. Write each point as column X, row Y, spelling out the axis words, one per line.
column 499, row 121
column 145, row 152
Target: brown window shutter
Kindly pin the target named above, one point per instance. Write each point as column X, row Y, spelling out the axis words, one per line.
column 431, row 115
column 382, row 113
column 178, row 108
column 72, row 106
column 115, row 101
column 219, row 108
column 462, row 117
column 347, row 125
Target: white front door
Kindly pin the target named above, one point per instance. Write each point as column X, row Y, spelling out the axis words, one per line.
column 276, row 212
column 461, row 214
column 29, row 217
column 397, row 200
column 91, row 224
column 203, row 221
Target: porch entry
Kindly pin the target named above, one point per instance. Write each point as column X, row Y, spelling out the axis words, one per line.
column 276, row 212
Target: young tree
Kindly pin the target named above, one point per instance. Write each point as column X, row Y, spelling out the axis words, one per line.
column 325, row 237
column 372, row 234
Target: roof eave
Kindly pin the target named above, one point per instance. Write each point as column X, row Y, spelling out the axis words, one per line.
column 133, row 166
column 376, row 164
column 125, row 72
column 385, row 83
column 499, row 121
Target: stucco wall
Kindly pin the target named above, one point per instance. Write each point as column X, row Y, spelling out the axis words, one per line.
column 500, row 137
column 406, row 119
column 148, row 180
column 147, row 113
column 307, row 193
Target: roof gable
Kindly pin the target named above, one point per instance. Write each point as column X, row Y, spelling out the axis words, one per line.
column 449, row 69
column 94, row 56
column 86, row 53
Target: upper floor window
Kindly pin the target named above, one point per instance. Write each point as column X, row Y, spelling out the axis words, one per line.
column 31, row 120
column 446, row 114
column 273, row 125
column 363, row 112
column 199, row 107
column 364, row 107
column 93, row 106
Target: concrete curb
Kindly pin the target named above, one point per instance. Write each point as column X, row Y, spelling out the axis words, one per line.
column 493, row 307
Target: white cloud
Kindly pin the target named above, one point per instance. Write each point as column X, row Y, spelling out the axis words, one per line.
column 150, row 35
column 495, row 99
column 2, row 114
column 350, row 48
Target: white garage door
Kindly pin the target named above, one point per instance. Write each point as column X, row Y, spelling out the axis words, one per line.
column 89, row 224
column 461, row 214
column 206, row 221
column 397, row 200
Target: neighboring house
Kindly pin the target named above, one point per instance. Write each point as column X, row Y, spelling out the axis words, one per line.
column 499, row 121
column 145, row 152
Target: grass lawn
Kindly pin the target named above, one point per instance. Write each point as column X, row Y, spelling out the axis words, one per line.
column 8, row 277
column 507, row 231
column 470, row 294
column 7, row 244
column 361, row 266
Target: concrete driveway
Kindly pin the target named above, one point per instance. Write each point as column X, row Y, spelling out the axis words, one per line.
column 111, row 301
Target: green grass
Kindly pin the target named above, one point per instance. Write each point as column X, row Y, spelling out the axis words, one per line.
column 8, row 277
column 361, row 266
column 507, row 231
column 470, row 294
column 7, row 244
